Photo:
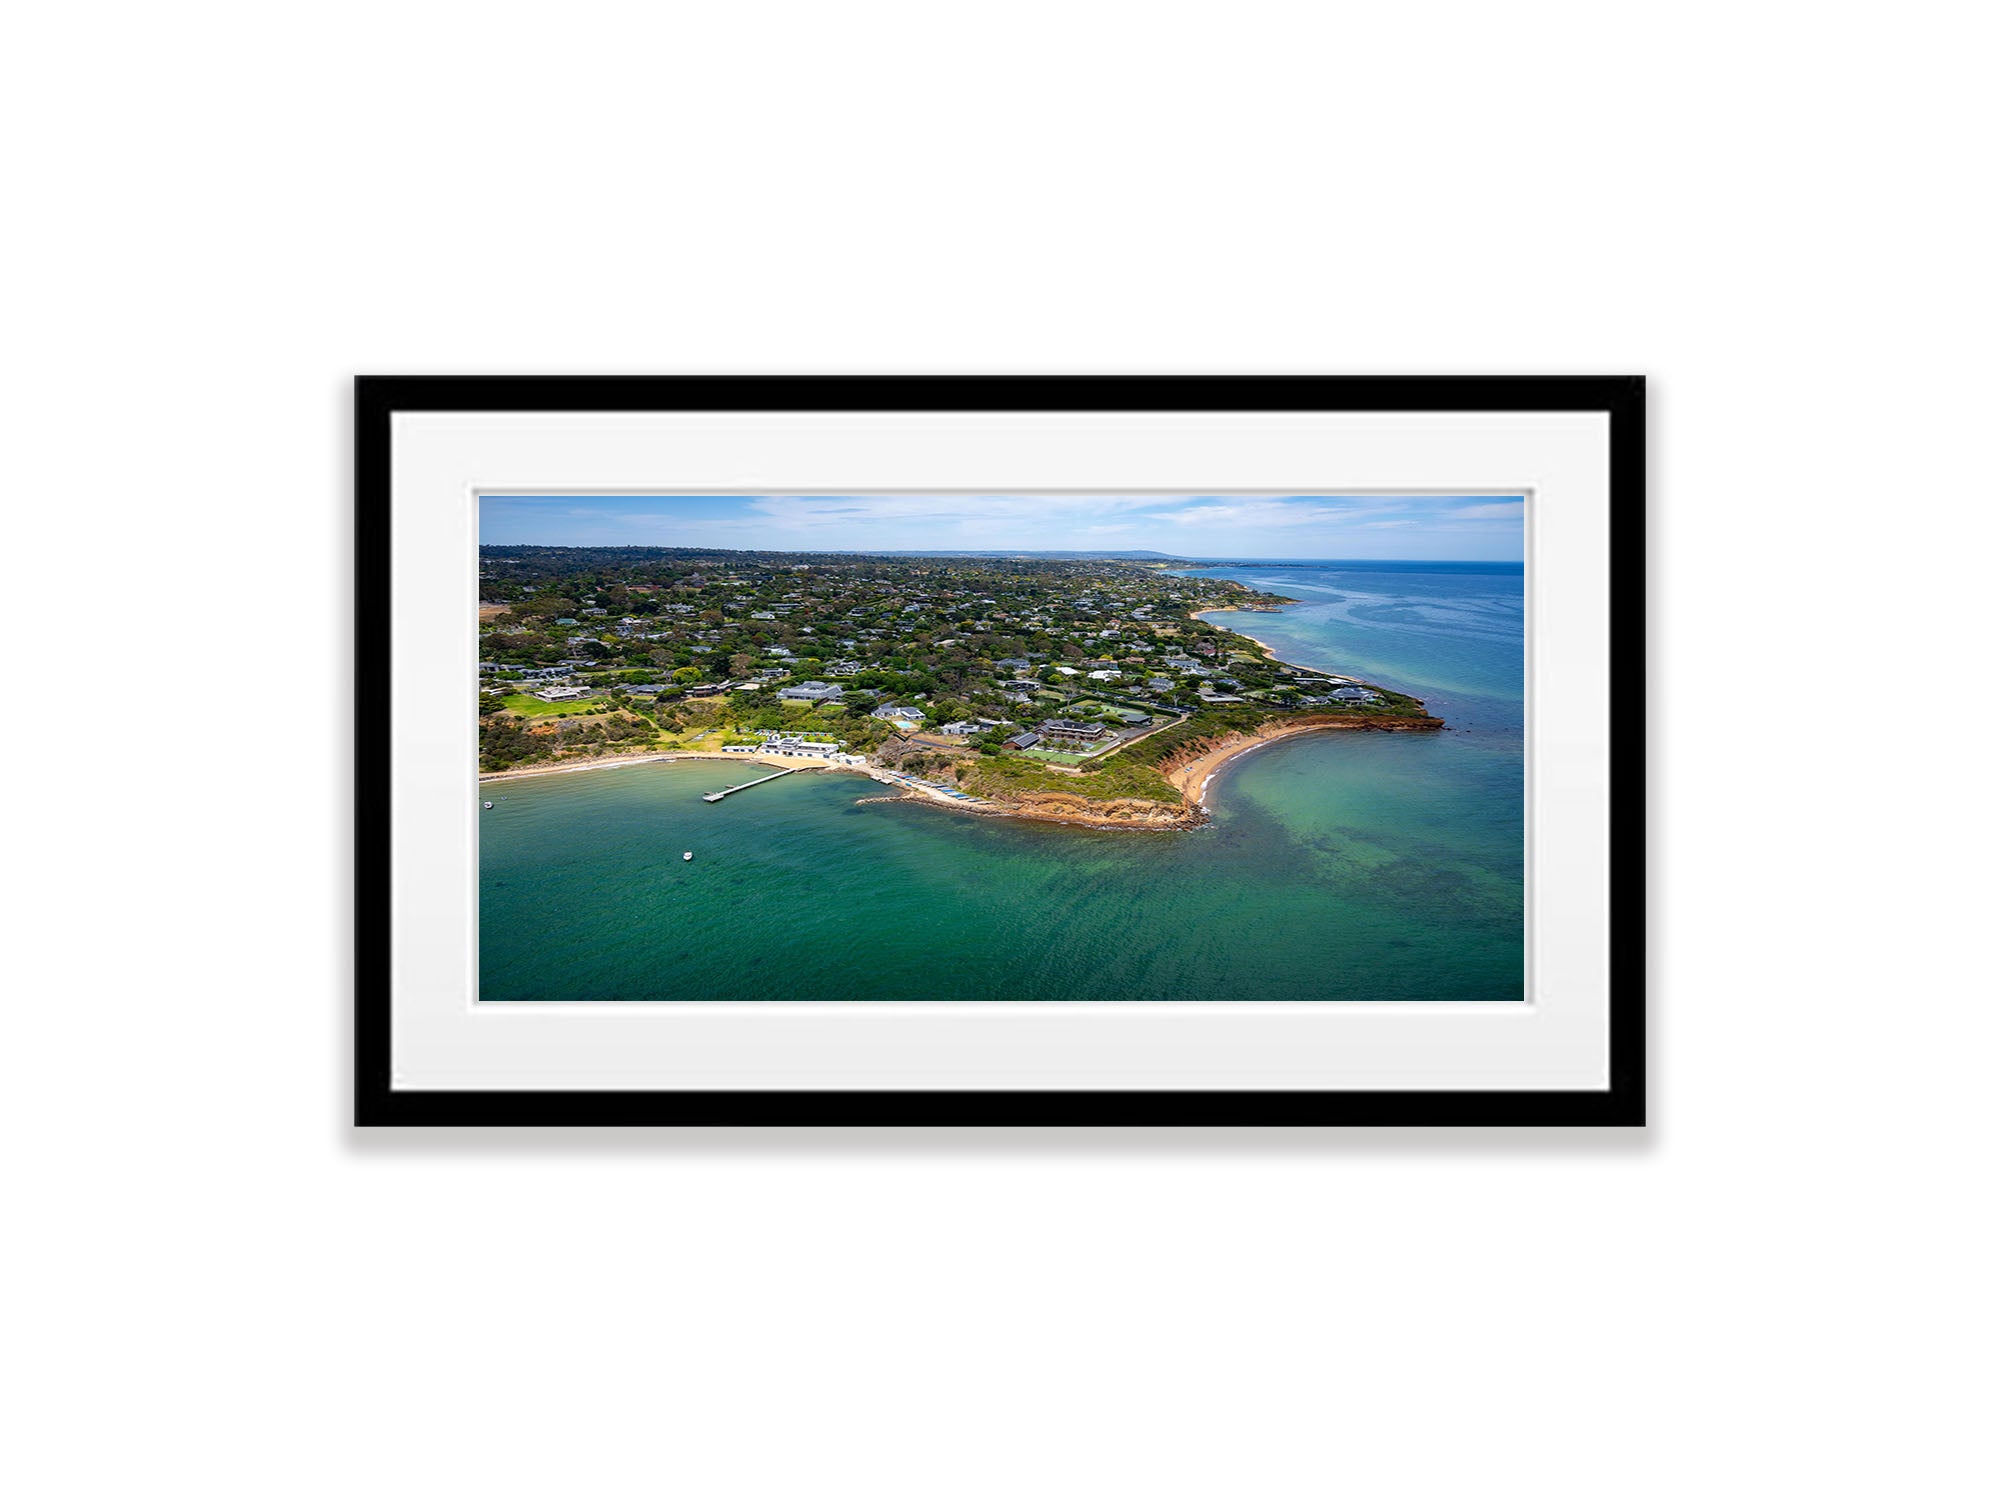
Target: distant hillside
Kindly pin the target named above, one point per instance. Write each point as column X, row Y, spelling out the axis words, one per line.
column 627, row 553
column 1135, row 556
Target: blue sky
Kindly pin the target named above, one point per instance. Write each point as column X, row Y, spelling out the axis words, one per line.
column 1430, row 527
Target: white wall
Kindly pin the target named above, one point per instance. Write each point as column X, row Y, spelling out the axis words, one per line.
column 1780, row 213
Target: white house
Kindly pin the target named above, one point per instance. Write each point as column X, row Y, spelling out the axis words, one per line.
column 811, row 692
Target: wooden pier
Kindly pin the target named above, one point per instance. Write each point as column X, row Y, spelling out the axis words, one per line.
column 718, row 796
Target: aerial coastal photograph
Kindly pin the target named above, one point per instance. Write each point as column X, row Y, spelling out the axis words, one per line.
column 1001, row 748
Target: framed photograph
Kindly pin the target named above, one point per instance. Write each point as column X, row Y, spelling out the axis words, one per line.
column 938, row 751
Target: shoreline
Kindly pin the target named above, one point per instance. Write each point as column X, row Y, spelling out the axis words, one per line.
column 1267, row 648
column 605, row 764
column 893, row 791
column 1200, row 793
column 614, row 762
column 1192, row 779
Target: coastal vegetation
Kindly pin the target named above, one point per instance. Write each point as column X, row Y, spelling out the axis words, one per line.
column 1031, row 683
column 1115, row 776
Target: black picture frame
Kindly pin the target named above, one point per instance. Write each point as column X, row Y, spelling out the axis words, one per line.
column 377, row 399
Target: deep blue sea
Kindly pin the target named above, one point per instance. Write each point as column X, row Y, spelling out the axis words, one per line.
column 1451, row 633
column 1338, row 866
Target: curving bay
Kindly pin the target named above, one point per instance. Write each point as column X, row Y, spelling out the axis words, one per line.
column 1338, row 866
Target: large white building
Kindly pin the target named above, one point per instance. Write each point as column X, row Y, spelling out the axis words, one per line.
column 775, row 743
column 812, row 692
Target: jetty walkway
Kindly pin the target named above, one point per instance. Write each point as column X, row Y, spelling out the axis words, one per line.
column 718, row 796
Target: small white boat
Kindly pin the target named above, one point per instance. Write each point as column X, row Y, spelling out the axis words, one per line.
column 487, row 805
column 688, row 855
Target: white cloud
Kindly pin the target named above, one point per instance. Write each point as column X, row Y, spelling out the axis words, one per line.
column 1198, row 524
column 981, row 510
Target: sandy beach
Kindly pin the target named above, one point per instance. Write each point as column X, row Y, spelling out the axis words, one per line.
column 610, row 762
column 1192, row 779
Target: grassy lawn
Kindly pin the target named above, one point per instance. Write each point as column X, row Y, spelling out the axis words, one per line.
column 711, row 740
column 1035, row 752
column 531, row 707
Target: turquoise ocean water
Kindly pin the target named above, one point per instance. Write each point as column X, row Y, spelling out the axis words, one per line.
column 1337, row 866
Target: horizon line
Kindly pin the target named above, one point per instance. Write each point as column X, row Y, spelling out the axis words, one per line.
column 1081, row 552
